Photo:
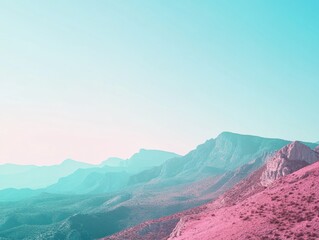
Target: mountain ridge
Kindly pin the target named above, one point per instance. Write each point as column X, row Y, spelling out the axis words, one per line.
column 179, row 184
column 247, row 188
column 27, row 176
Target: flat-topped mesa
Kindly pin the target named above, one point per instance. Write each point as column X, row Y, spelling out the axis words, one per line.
column 289, row 159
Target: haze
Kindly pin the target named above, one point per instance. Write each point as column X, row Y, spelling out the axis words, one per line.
column 88, row 80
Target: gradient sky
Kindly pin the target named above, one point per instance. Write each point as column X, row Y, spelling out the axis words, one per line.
column 91, row 79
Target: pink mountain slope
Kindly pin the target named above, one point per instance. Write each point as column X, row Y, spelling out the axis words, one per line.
column 250, row 210
column 288, row 209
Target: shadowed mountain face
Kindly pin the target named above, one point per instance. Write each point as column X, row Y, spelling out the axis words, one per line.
column 146, row 159
column 113, row 176
column 73, row 177
column 93, row 180
column 113, row 162
column 177, row 184
column 280, row 210
column 140, row 161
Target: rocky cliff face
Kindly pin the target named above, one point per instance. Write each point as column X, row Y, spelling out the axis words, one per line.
column 287, row 160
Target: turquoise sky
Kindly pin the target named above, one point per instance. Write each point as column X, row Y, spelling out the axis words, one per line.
column 91, row 79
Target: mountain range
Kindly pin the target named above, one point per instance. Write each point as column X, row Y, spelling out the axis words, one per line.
column 22, row 181
column 149, row 195
column 283, row 208
column 31, row 176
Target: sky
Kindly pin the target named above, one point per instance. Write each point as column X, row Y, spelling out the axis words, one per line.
column 92, row 79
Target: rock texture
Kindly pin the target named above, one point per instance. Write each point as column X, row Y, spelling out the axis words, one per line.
column 287, row 160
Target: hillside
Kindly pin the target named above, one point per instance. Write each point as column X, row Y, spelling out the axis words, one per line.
column 288, row 209
column 182, row 225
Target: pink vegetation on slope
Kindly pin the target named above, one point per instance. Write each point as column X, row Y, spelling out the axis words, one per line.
column 287, row 209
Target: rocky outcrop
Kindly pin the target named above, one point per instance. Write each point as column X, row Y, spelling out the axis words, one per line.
column 288, row 160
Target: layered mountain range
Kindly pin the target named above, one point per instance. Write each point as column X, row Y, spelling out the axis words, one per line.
column 31, row 176
column 277, row 201
column 150, row 195
column 22, row 181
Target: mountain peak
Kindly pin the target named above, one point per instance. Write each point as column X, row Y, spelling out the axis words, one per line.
column 67, row 161
column 144, row 150
column 227, row 134
column 151, row 153
column 71, row 162
column 232, row 137
column 113, row 162
column 147, row 151
column 238, row 136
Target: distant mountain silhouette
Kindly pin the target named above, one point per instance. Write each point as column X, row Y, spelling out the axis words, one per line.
column 113, row 162
column 112, row 176
column 30, row 176
column 144, row 159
